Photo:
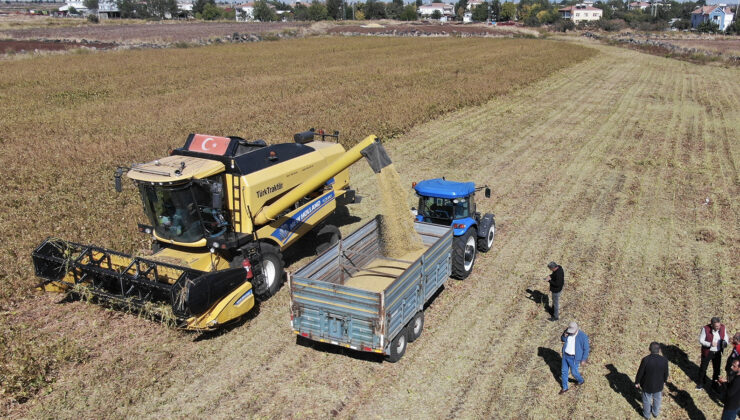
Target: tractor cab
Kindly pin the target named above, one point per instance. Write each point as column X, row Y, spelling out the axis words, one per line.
column 451, row 203
column 448, row 203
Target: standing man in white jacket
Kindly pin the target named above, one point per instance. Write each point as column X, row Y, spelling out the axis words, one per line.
column 713, row 339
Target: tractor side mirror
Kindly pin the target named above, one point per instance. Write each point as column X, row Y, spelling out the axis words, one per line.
column 117, row 179
column 488, row 192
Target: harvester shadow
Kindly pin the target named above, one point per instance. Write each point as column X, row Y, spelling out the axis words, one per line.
column 622, row 384
column 539, row 298
column 685, row 401
column 226, row 328
column 679, row 358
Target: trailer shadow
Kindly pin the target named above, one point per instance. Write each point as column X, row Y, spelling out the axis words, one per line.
column 344, row 351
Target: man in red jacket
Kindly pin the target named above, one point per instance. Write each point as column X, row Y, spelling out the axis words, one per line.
column 734, row 352
column 713, row 339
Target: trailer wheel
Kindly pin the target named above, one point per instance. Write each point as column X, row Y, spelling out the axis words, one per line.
column 463, row 254
column 273, row 273
column 326, row 237
column 485, row 243
column 398, row 346
column 416, row 326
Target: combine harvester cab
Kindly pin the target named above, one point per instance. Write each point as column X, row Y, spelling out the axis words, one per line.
column 221, row 210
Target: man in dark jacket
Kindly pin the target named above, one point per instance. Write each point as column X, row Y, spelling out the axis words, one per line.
column 556, row 280
column 651, row 377
column 732, row 396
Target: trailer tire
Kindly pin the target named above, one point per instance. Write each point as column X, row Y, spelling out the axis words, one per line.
column 272, row 270
column 398, row 346
column 326, row 237
column 485, row 242
column 464, row 249
column 416, row 326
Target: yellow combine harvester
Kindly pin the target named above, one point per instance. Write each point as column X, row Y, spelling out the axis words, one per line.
column 221, row 212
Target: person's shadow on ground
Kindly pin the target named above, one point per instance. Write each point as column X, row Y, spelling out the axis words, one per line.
column 539, row 298
column 554, row 362
column 679, row 358
column 622, row 384
column 685, row 401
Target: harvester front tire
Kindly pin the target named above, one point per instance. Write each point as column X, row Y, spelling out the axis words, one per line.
column 464, row 250
column 326, row 237
column 273, row 271
column 416, row 326
column 398, row 346
column 485, row 242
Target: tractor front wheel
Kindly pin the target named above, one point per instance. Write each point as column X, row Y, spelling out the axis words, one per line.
column 463, row 254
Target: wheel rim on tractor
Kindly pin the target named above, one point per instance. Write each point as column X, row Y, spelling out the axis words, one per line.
column 469, row 253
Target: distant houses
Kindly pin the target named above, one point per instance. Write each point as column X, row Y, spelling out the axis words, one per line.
column 581, row 13
column 446, row 11
column 638, row 5
column 720, row 15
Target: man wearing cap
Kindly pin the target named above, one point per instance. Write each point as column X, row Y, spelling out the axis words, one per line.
column 713, row 339
column 575, row 353
column 556, row 280
column 651, row 377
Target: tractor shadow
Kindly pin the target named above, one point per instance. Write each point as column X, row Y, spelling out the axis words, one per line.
column 679, row 358
column 539, row 298
column 623, row 385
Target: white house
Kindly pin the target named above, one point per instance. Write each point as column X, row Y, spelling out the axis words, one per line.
column 581, row 13
column 635, row 5
column 446, row 10
column 720, row 15
column 245, row 12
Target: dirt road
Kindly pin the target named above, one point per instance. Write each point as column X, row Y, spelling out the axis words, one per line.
column 604, row 167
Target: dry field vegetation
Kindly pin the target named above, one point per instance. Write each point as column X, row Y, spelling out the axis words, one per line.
column 604, row 166
column 67, row 121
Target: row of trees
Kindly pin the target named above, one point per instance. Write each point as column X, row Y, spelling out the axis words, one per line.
column 529, row 12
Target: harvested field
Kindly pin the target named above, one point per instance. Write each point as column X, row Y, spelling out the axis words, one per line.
column 606, row 173
column 165, row 32
column 63, row 140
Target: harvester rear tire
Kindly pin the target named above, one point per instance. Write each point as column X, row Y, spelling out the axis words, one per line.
column 326, row 237
column 398, row 346
column 463, row 254
column 273, row 271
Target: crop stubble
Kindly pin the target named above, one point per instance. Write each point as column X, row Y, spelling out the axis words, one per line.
column 606, row 173
column 69, row 120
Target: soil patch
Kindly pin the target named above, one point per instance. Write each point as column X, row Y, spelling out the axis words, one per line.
column 14, row 46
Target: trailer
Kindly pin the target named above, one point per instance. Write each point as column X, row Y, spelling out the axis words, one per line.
column 353, row 296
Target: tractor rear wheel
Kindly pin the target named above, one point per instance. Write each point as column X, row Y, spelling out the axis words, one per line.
column 463, row 254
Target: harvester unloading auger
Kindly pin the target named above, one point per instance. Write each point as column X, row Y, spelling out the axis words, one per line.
column 221, row 211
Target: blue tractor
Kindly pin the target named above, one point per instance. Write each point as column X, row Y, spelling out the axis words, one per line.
column 452, row 203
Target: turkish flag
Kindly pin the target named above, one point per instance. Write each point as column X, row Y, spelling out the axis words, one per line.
column 209, row 144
